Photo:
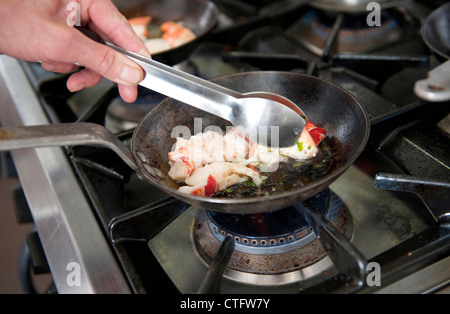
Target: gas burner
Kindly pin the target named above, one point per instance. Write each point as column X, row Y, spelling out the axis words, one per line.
column 279, row 243
column 315, row 28
column 275, row 231
column 121, row 116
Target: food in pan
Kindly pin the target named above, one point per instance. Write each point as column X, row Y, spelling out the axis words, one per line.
column 210, row 164
column 305, row 148
column 159, row 38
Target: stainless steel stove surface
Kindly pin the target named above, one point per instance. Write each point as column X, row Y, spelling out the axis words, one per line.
column 389, row 209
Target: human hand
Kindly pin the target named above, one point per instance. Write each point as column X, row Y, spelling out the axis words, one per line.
column 37, row 31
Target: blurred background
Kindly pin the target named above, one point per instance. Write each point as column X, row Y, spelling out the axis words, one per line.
column 12, row 239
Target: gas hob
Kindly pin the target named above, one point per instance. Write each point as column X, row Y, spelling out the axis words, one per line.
column 127, row 236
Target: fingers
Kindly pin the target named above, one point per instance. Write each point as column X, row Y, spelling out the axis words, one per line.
column 88, row 78
column 100, row 60
column 102, row 17
column 83, row 79
column 128, row 93
column 58, row 67
column 105, row 61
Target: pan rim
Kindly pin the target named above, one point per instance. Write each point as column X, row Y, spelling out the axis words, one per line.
column 425, row 26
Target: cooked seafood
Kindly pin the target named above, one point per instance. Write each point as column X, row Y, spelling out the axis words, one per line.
column 161, row 38
column 306, row 146
column 209, row 162
column 217, row 176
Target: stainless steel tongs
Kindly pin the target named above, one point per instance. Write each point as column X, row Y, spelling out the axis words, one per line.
column 281, row 119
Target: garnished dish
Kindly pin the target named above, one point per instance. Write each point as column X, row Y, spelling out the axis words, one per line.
column 215, row 165
column 161, row 37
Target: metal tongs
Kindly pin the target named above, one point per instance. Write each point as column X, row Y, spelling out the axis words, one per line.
column 267, row 118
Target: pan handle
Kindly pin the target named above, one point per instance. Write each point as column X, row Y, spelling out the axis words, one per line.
column 435, row 194
column 436, row 87
column 63, row 134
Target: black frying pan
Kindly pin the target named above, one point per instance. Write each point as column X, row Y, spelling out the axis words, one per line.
column 198, row 15
column 325, row 104
column 436, row 34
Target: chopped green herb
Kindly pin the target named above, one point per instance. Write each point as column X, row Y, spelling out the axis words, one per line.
column 300, row 146
column 229, row 190
column 266, row 193
column 298, row 163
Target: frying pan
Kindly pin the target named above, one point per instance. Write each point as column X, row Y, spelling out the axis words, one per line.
column 436, row 34
column 326, row 104
column 200, row 16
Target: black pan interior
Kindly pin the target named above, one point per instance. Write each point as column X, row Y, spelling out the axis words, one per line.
column 325, row 104
column 198, row 15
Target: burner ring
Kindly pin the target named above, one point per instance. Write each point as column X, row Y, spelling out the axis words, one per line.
column 264, row 242
column 281, row 228
column 299, row 238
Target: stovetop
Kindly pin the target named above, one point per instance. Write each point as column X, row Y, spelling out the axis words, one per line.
column 91, row 209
